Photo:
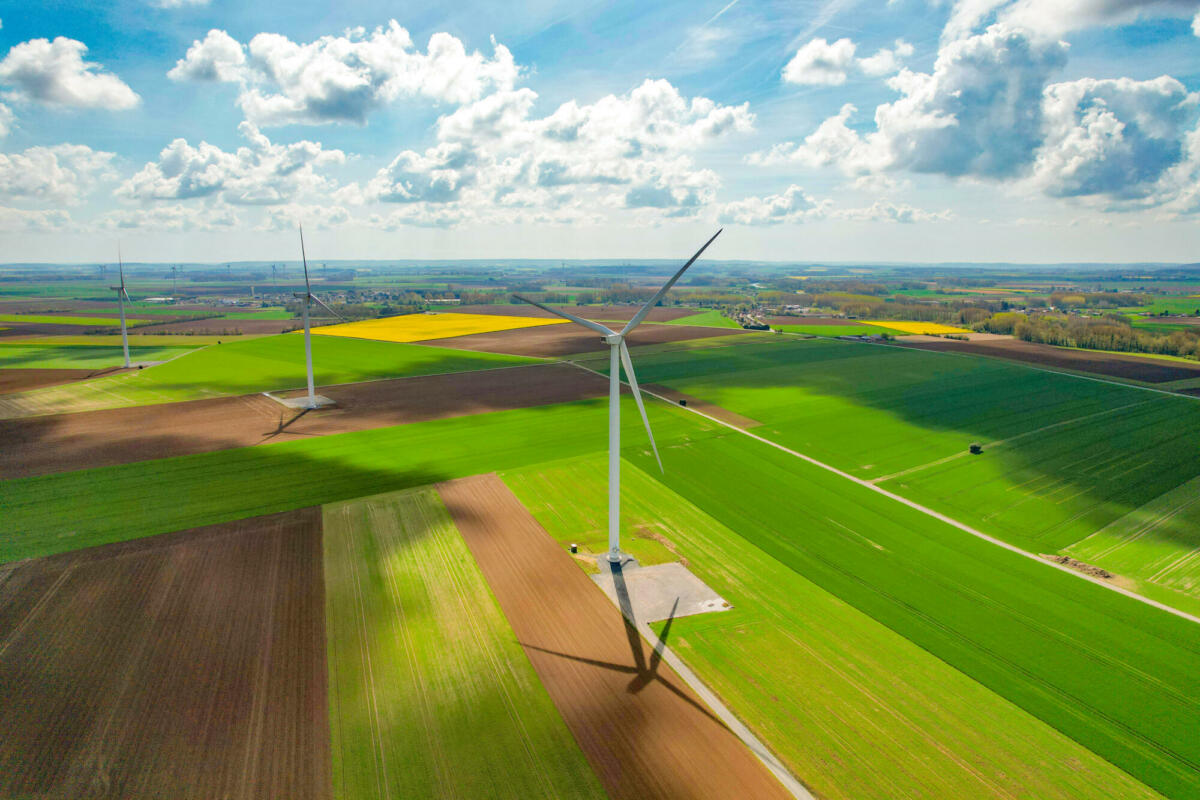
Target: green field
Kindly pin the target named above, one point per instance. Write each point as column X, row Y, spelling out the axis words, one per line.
column 831, row 330
column 94, row 322
column 1174, row 304
column 266, row 363
column 709, row 319
column 135, row 339
column 266, row 313
column 430, row 695
column 854, row 709
column 47, row 356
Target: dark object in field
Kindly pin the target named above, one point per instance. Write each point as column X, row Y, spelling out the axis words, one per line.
column 976, row 448
column 574, row 547
column 756, row 326
column 682, row 402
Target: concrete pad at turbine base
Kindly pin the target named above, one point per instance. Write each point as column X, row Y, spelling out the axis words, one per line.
column 301, row 402
column 654, row 591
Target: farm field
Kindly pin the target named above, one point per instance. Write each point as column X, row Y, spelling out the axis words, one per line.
column 49, row 356
column 111, row 339
column 566, row 340
column 831, row 330
column 419, row 327
column 64, row 319
column 108, row 504
column 865, row 712
column 1118, row 676
column 712, row 319
column 262, row 364
column 189, row 665
column 915, row 327
column 423, row 667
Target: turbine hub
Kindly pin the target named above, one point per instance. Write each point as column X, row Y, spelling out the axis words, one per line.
column 612, row 339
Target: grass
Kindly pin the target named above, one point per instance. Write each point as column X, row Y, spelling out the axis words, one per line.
column 1118, row 676
column 419, row 327
column 853, row 708
column 66, row 511
column 265, row 313
column 423, row 667
column 43, row 319
column 47, row 356
column 135, row 339
column 265, row 364
column 708, row 319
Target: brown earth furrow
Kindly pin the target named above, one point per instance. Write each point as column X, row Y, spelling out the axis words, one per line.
column 62, row 442
column 643, row 730
column 614, row 312
column 186, row 665
column 21, row 379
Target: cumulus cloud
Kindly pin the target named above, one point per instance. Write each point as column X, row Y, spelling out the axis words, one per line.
column 55, row 74
column 58, row 174
column 260, row 173
column 1056, row 17
column 19, row 220
column 170, row 218
column 178, row 3
column 887, row 211
column 820, row 63
column 287, row 217
column 496, row 159
column 793, row 205
column 6, row 120
column 343, row 78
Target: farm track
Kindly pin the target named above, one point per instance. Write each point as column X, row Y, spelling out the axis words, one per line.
column 185, row 665
column 64, row 442
column 644, row 731
column 565, row 340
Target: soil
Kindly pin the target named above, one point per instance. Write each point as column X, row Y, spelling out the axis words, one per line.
column 218, row 327
column 642, row 728
column 621, row 312
column 62, row 442
column 18, row 380
column 184, row 665
column 1133, row 367
column 551, row 341
column 723, row 414
column 810, row 321
column 15, row 330
column 1079, row 566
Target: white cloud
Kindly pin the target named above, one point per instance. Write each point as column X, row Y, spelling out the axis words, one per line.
column 1196, row 25
column 18, row 220
column 820, row 63
column 261, row 173
column 170, row 218
column 343, row 78
column 793, row 205
column 287, row 217
column 179, row 3
column 55, row 74
column 497, row 162
column 6, row 119
column 1056, row 17
column 886, row 62
column 887, row 211
column 58, row 174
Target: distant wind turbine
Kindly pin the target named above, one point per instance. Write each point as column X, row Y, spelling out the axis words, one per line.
column 122, row 296
column 618, row 357
column 308, row 298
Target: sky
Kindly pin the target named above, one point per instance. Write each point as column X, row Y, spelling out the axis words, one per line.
column 829, row 130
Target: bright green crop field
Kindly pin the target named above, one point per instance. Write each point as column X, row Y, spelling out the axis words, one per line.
column 267, row 363
column 47, row 356
column 709, row 319
column 804, row 668
column 94, row 322
column 430, row 694
column 1118, row 676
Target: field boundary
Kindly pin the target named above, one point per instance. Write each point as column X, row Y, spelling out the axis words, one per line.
column 935, row 514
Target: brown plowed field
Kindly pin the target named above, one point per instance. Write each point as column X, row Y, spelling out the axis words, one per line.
column 18, row 380
column 190, row 665
column 42, row 445
column 703, row 406
column 657, row 314
column 1136, row 368
column 810, row 321
column 218, row 327
column 563, row 340
column 644, row 731
column 13, row 330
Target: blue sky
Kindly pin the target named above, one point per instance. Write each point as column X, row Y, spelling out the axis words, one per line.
column 913, row 130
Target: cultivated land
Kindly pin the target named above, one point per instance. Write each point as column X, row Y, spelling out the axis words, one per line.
column 854, row 709
column 419, row 327
column 711, row 319
column 430, row 694
column 189, row 665
column 60, row 443
column 601, row 313
column 50, row 356
column 66, row 319
column 915, row 327
column 239, row 367
column 644, row 731
column 1063, row 457
column 20, row 380
column 568, row 340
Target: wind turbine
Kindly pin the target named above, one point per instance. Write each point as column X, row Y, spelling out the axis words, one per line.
column 618, row 353
column 122, row 296
column 308, row 298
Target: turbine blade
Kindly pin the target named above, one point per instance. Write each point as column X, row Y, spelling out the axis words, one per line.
column 327, row 308
column 587, row 323
column 304, row 257
column 627, row 362
column 121, row 267
column 641, row 315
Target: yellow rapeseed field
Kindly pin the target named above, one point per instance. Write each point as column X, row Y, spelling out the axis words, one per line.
column 915, row 327
column 419, row 327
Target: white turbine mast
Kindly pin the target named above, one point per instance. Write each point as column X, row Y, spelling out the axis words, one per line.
column 122, row 296
column 619, row 357
column 307, row 299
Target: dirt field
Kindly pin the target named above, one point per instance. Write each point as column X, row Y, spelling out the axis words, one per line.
column 565, row 340
column 181, row 666
column 657, row 314
column 810, row 321
column 14, row 330
column 1136, row 368
column 43, row 445
column 641, row 727
column 217, row 327
column 18, row 380
column 723, row 414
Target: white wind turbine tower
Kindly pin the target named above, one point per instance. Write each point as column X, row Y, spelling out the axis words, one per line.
column 122, row 296
column 618, row 357
column 308, row 299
